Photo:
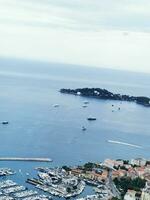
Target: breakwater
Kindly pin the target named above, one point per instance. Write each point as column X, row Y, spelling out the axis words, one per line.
column 25, row 159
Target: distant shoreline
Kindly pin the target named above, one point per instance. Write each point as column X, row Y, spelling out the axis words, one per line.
column 106, row 95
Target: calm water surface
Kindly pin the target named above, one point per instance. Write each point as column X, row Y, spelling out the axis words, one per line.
column 28, row 91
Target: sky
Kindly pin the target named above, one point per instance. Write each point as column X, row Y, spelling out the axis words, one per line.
column 101, row 33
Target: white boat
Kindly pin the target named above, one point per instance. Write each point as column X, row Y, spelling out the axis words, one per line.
column 83, row 128
column 86, row 102
column 84, row 106
column 5, row 122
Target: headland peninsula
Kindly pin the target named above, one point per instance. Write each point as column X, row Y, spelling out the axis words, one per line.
column 104, row 94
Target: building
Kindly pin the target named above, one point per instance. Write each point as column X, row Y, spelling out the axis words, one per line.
column 92, row 175
column 76, row 172
column 113, row 163
column 146, row 192
column 138, row 161
column 132, row 195
column 146, row 176
column 119, row 173
column 132, row 173
column 140, row 171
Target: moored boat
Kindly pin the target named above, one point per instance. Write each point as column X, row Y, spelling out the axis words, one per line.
column 5, row 122
column 56, row 105
column 91, row 118
column 83, row 128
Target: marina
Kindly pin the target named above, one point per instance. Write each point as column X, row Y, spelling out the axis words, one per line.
column 58, row 182
column 6, row 172
column 10, row 190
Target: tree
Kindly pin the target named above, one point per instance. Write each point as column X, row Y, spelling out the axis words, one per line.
column 89, row 166
column 123, row 168
column 115, row 198
column 67, row 169
column 68, row 189
column 125, row 183
column 125, row 162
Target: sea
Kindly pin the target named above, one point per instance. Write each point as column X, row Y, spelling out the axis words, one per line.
column 30, row 89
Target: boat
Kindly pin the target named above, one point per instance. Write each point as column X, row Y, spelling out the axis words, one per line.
column 84, row 106
column 91, row 118
column 86, row 102
column 56, row 105
column 83, row 128
column 5, row 122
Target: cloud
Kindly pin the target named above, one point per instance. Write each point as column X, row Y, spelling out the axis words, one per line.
column 109, row 33
column 75, row 14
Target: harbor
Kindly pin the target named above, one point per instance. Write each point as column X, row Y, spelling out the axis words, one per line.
column 103, row 179
column 10, row 190
column 6, row 172
column 58, row 182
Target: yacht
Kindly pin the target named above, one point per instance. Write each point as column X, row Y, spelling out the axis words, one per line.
column 83, row 128
column 84, row 106
column 5, row 122
column 91, row 118
column 86, row 102
column 56, row 105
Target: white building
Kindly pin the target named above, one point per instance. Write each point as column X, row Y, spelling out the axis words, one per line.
column 138, row 162
column 132, row 195
column 113, row 163
column 146, row 192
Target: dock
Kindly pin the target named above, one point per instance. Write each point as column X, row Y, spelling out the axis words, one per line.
column 25, row 159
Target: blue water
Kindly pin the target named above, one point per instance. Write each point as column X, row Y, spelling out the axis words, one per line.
column 28, row 91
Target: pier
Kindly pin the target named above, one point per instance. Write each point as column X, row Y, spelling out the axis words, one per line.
column 25, row 159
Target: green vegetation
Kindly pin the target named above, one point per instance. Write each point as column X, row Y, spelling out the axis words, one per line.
column 67, row 169
column 147, row 162
column 115, row 198
column 125, row 162
column 134, row 166
column 120, row 167
column 105, row 94
column 89, row 166
column 125, row 183
column 123, row 168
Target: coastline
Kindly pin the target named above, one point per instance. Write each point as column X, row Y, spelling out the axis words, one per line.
column 106, row 95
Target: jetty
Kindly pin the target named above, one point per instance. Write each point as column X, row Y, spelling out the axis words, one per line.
column 25, row 159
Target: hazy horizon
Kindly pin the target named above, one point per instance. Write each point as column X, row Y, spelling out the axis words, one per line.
column 22, row 65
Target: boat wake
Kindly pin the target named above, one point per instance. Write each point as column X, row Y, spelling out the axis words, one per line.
column 124, row 143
